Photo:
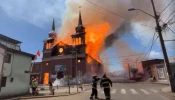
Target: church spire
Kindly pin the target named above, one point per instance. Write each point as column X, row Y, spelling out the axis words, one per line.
column 53, row 25
column 52, row 33
column 80, row 28
column 80, row 23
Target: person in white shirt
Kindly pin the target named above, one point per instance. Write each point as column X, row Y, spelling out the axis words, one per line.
column 80, row 85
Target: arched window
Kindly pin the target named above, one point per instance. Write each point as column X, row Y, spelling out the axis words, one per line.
column 80, row 42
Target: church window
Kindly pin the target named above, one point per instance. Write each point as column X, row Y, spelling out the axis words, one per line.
column 80, row 40
column 79, row 61
column 60, row 50
column 47, row 64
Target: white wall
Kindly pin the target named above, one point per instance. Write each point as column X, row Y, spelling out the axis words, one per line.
column 8, row 66
column 20, row 84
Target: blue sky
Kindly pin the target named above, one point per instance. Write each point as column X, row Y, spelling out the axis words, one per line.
column 30, row 21
column 16, row 23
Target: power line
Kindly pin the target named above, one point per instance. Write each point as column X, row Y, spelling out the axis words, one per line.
column 170, row 15
column 127, row 62
column 173, row 15
column 107, row 14
column 149, row 4
column 130, row 61
column 93, row 9
column 151, row 45
column 171, row 30
column 134, row 54
column 167, row 6
column 151, row 48
column 117, row 14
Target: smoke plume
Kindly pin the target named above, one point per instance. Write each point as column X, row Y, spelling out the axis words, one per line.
column 104, row 28
column 123, row 29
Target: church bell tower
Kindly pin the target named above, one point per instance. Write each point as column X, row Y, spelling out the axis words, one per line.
column 49, row 43
column 78, row 39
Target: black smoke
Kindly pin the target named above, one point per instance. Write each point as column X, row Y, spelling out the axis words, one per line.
column 125, row 28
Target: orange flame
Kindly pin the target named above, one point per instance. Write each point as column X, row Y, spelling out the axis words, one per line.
column 95, row 36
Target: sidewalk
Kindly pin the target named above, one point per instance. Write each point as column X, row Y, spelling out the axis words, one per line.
column 61, row 91
column 167, row 92
column 164, row 82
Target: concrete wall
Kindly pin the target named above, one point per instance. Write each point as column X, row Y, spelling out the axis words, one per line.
column 20, row 83
column 147, row 74
column 1, row 58
column 8, row 66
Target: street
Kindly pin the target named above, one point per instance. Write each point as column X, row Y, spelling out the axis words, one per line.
column 127, row 91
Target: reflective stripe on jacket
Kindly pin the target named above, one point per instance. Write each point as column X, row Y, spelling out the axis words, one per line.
column 33, row 83
column 105, row 83
column 94, row 83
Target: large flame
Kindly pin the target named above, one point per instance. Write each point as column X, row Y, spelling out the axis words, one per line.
column 95, row 36
column 99, row 23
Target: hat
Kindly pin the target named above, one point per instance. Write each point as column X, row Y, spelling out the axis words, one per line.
column 104, row 76
column 94, row 76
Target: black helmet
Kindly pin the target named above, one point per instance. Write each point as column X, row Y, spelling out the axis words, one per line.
column 104, row 76
column 94, row 76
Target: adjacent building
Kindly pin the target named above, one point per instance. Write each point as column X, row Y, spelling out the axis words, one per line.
column 60, row 59
column 14, row 64
column 149, row 68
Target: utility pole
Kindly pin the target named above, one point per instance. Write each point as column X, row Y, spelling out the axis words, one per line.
column 166, row 60
column 76, row 71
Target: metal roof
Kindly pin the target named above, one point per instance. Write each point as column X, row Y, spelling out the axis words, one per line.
column 8, row 39
column 152, row 60
column 17, row 51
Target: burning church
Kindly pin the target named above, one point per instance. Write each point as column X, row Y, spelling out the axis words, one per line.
column 60, row 59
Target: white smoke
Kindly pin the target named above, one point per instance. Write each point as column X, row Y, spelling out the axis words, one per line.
column 41, row 13
column 93, row 14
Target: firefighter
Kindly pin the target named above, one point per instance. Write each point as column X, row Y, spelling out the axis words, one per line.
column 94, row 87
column 106, row 83
column 34, row 86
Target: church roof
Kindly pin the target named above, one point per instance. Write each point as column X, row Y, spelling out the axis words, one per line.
column 94, row 59
column 62, row 44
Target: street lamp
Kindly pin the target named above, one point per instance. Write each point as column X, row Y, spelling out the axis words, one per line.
column 159, row 30
column 75, row 52
column 132, row 9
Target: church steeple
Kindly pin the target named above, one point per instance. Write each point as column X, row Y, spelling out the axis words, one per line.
column 52, row 33
column 79, row 37
column 49, row 43
column 80, row 28
column 80, row 23
column 53, row 25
